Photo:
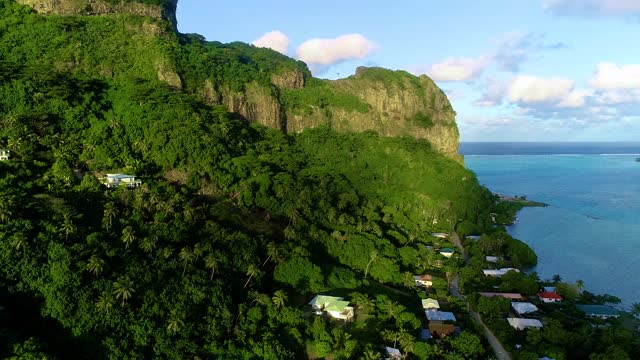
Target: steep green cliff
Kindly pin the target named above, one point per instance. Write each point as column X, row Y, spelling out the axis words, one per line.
column 260, row 85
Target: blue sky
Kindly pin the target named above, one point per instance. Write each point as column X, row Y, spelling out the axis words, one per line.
column 536, row 70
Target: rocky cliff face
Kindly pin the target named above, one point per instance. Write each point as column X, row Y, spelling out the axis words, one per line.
column 164, row 10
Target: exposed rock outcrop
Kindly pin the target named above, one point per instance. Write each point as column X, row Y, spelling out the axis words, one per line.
column 98, row 7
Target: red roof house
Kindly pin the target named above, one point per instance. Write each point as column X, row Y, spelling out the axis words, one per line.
column 550, row 297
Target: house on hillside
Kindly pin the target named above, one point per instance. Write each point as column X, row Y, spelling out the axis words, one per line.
column 498, row 272
column 599, row 311
column 550, row 297
column 430, row 304
column 521, row 324
column 425, row 335
column 473, row 237
column 510, row 296
column 336, row 307
column 115, row 180
column 4, row 155
column 492, row 259
column 425, row 280
column 439, row 316
column 441, row 331
column 440, row 235
column 522, row 308
column 393, row 353
column 448, row 252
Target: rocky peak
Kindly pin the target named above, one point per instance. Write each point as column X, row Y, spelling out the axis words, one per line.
column 157, row 9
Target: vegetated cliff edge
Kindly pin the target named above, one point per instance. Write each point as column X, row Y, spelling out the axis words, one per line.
column 260, row 85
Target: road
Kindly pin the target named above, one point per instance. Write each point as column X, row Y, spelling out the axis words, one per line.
column 498, row 349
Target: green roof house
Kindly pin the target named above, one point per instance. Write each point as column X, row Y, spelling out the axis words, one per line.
column 336, row 307
column 448, row 252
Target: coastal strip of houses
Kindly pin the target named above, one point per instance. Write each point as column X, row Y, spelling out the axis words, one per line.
column 498, row 272
column 599, row 311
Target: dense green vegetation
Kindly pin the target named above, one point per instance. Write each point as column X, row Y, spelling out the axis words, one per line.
column 236, row 226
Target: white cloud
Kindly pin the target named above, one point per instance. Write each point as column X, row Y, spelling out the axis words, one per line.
column 530, row 89
column 331, row 51
column 458, row 69
column 618, row 97
column 274, row 40
column 576, row 99
column 593, row 7
column 611, row 76
column 493, row 93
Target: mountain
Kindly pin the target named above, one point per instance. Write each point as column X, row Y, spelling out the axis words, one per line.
column 261, row 188
column 259, row 84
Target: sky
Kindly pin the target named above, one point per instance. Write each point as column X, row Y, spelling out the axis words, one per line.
column 514, row 70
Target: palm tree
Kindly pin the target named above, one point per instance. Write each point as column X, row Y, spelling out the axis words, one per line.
column 373, row 256
column 174, row 323
column 211, row 262
column 105, row 302
column 110, row 213
column 187, row 256
column 407, row 342
column 5, row 209
column 128, row 236
column 252, row 271
column 67, row 227
column 148, row 244
column 95, row 265
column 362, row 300
column 123, row 289
column 370, row 354
column 19, row 241
column 273, row 252
column 580, row 285
column 394, row 336
column 279, row 298
column 197, row 251
column 556, row 278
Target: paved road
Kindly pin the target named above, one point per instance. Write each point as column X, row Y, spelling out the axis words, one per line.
column 497, row 347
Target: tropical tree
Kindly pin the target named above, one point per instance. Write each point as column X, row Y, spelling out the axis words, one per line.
column 362, row 300
column 123, row 289
column 175, row 323
column 19, row 241
column 109, row 214
column 635, row 309
column 373, row 256
column 252, row 271
column 187, row 256
column 273, row 252
column 95, row 265
column 197, row 251
column 579, row 285
column 556, row 278
column 148, row 244
column 105, row 302
column 67, row 227
column 211, row 262
column 5, row 209
column 128, row 236
column 391, row 335
column 279, row 298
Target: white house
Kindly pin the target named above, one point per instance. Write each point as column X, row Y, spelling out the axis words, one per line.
column 115, row 180
column 424, row 280
column 522, row 308
column 473, row 237
column 521, row 324
column 498, row 272
column 492, row 259
column 4, row 155
column 430, row 304
column 336, row 307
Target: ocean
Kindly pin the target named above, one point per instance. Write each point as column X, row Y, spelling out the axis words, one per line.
column 591, row 228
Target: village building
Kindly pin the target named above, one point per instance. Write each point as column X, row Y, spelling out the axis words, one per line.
column 550, row 297
column 448, row 252
column 498, row 272
column 599, row 311
column 430, row 304
column 439, row 316
column 336, row 307
column 473, row 237
column 393, row 353
column 493, row 259
column 522, row 308
column 4, row 155
column 425, row 280
column 441, row 331
column 521, row 324
column 511, row 296
column 115, row 180
column 440, row 235
column 425, row 335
